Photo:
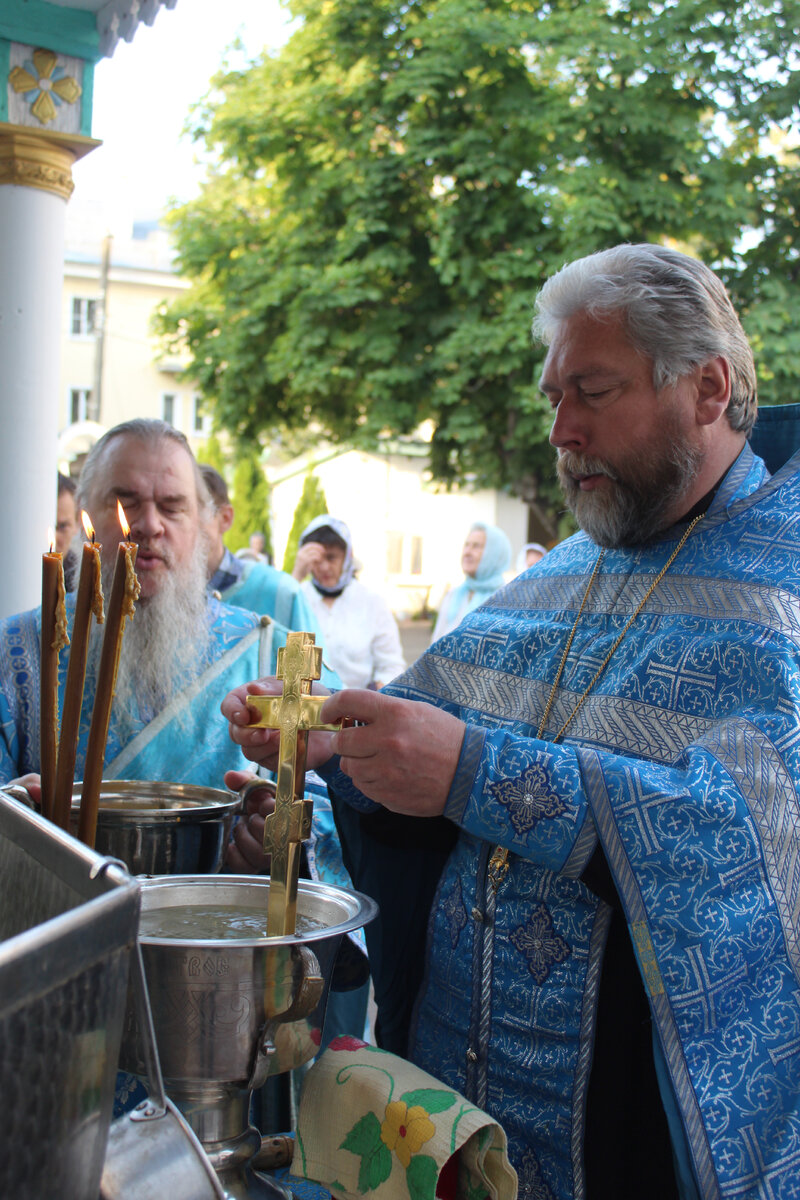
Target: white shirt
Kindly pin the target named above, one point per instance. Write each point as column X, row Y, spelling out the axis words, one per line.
column 360, row 638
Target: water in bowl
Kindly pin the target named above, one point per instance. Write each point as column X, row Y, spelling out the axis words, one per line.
column 213, row 922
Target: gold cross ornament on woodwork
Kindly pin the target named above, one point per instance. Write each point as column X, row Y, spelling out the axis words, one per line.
column 45, row 86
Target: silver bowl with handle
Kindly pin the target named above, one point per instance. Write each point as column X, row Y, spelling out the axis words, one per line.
column 230, row 1011
column 160, row 828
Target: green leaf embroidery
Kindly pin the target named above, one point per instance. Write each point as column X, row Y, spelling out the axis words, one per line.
column 364, row 1139
column 364, row 1135
column 472, row 1187
column 375, row 1169
column 421, row 1177
column 431, row 1099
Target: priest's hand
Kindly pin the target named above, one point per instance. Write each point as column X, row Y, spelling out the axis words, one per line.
column 403, row 754
column 245, row 853
column 32, row 784
column 261, row 745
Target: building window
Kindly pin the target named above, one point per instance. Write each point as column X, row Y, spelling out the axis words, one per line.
column 403, row 553
column 416, row 555
column 394, row 552
column 80, row 400
column 83, row 316
column 199, row 418
column 169, row 407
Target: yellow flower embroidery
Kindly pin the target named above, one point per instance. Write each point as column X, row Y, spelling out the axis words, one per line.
column 406, row 1130
column 43, row 85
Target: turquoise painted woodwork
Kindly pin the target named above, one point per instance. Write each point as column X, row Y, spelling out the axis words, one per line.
column 64, row 30
column 87, row 99
column 5, row 67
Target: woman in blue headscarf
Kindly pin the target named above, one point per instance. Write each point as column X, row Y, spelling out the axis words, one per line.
column 485, row 558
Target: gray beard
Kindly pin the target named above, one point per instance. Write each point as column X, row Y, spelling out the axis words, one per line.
column 634, row 510
column 164, row 647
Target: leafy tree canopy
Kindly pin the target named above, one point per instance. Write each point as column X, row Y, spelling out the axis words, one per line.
column 392, row 188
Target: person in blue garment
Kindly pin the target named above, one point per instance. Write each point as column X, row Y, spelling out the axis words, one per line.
column 598, row 772
column 180, row 653
column 246, row 583
column 67, row 526
column 485, row 558
column 183, row 649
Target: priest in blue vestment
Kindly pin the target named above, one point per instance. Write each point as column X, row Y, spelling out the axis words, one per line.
column 579, row 810
column 182, row 651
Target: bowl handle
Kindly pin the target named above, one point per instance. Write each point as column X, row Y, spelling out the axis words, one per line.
column 254, row 785
column 306, row 999
column 17, row 792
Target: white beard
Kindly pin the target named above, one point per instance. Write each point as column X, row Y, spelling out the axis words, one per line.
column 164, row 647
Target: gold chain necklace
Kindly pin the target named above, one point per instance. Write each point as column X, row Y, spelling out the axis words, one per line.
column 498, row 865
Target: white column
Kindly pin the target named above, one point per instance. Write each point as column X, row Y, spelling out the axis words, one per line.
column 35, row 181
column 31, row 273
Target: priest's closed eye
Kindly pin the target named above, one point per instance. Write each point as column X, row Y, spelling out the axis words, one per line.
column 600, row 396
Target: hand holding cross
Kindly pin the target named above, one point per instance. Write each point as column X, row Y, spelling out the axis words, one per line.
column 293, row 713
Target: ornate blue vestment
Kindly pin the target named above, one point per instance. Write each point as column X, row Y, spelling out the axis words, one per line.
column 151, row 749
column 683, row 763
column 264, row 589
column 188, row 742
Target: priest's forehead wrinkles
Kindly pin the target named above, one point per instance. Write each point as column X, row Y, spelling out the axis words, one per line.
column 589, row 371
column 135, row 495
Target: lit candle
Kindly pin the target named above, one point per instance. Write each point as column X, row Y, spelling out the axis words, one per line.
column 54, row 637
column 121, row 604
column 89, row 600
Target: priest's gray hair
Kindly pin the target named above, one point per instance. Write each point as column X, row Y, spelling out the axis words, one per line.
column 152, row 432
column 676, row 311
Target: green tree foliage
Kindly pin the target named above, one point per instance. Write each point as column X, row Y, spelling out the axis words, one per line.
column 392, row 188
column 312, row 503
column 211, row 452
column 250, row 496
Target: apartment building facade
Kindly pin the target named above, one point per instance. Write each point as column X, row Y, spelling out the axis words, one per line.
column 111, row 365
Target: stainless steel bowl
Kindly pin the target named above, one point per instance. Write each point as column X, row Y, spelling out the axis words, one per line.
column 228, row 1013
column 213, row 999
column 162, row 828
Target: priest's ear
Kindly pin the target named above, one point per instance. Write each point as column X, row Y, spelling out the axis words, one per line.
column 713, row 390
column 225, row 517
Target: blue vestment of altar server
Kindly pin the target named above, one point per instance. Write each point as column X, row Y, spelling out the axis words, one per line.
column 684, row 764
column 262, row 588
column 188, row 742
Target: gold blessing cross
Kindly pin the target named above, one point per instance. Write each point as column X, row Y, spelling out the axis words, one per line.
column 294, row 713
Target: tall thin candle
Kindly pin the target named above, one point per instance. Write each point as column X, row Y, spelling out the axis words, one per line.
column 121, row 604
column 88, row 601
column 54, row 638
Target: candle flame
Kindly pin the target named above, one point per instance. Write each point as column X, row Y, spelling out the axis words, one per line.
column 123, row 520
column 87, row 525
column 51, row 538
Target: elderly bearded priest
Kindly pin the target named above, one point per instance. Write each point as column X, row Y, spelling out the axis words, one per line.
column 181, row 652
column 612, row 965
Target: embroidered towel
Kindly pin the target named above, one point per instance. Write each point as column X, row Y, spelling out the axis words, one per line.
column 372, row 1125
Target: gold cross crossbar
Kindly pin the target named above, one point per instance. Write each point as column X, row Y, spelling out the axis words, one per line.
column 294, row 713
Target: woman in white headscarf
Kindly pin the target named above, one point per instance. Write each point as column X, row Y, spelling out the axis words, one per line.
column 485, row 558
column 530, row 554
column 360, row 638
